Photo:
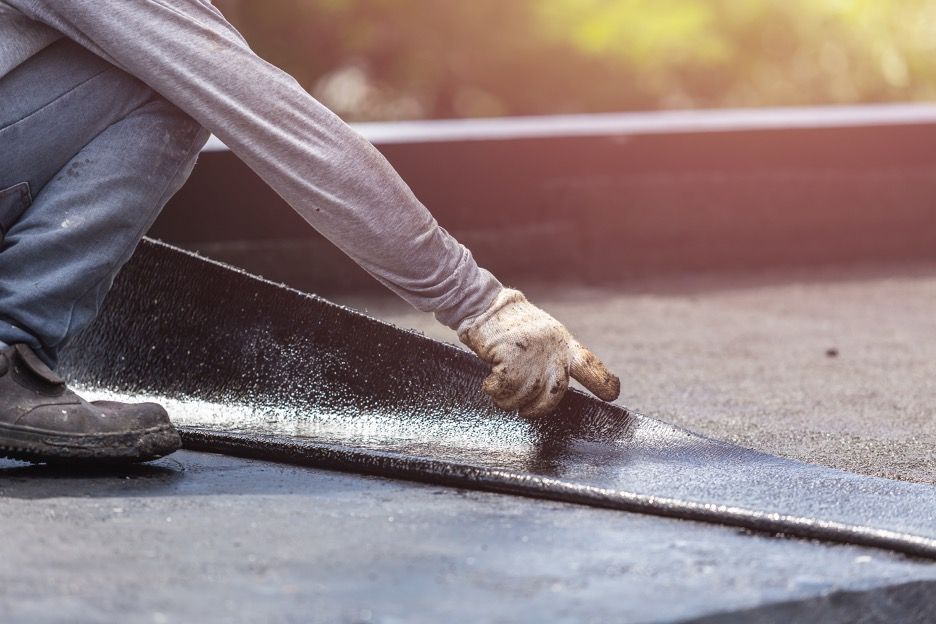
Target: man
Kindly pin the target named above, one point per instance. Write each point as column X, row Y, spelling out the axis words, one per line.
column 104, row 106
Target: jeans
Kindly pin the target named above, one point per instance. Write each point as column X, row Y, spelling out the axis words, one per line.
column 89, row 156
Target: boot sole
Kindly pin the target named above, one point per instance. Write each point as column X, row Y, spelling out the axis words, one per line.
column 47, row 447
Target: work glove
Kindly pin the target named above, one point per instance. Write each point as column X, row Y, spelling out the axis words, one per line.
column 532, row 355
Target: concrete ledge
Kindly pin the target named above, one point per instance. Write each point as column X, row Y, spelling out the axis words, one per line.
column 384, row 134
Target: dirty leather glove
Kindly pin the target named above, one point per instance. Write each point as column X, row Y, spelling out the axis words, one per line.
column 532, row 355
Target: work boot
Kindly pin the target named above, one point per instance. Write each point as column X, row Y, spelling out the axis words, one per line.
column 41, row 420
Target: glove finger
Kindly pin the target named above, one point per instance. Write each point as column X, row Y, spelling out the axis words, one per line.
column 549, row 397
column 529, row 389
column 589, row 371
column 499, row 384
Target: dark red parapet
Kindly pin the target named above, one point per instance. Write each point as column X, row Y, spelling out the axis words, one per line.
column 604, row 198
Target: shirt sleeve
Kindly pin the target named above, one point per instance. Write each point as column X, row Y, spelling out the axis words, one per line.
column 186, row 51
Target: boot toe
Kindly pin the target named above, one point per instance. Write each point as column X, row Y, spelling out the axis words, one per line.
column 42, row 420
column 136, row 415
column 74, row 418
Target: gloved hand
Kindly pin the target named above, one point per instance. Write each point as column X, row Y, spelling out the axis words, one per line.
column 532, row 355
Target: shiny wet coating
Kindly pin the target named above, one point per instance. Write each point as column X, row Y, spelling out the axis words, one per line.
column 256, row 369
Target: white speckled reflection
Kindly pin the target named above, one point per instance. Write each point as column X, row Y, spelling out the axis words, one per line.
column 506, row 441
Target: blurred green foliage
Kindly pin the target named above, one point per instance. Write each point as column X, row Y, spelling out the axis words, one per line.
column 396, row 59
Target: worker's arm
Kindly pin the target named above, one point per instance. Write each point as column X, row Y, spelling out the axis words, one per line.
column 186, row 51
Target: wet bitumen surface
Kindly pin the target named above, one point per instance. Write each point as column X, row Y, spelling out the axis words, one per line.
column 312, row 383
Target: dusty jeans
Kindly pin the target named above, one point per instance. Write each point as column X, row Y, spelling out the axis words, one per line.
column 88, row 157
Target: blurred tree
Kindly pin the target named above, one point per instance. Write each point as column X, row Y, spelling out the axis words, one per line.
column 394, row 59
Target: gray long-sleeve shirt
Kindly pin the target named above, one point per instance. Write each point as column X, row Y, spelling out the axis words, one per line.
column 186, row 51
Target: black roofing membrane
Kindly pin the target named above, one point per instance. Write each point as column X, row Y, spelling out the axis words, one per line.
column 251, row 368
